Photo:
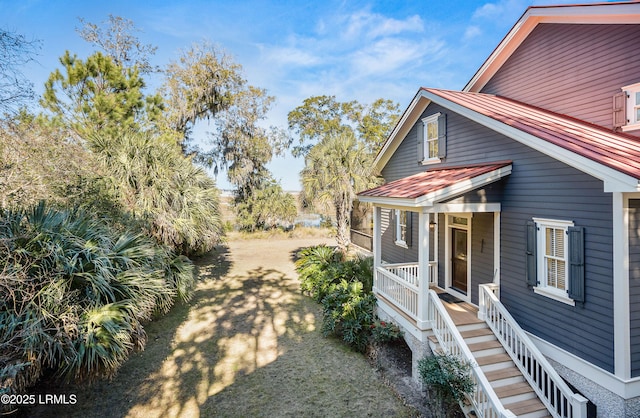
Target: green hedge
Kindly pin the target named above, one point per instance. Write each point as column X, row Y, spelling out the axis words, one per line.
column 344, row 288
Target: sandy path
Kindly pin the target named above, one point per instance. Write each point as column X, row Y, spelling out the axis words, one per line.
column 247, row 345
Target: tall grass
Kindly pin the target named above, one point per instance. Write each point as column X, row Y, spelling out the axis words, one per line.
column 74, row 294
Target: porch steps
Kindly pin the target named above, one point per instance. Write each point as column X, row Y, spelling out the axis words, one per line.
column 507, row 381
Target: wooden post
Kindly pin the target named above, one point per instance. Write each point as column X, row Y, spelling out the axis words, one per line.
column 423, row 319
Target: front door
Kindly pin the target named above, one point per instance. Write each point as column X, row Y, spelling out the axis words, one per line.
column 459, row 260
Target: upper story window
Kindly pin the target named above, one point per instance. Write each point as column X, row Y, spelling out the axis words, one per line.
column 626, row 108
column 555, row 259
column 432, row 139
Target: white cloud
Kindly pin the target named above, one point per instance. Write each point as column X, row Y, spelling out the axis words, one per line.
column 501, row 11
column 472, row 32
column 364, row 24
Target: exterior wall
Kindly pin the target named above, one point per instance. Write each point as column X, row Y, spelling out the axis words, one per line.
column 538, row 186
column 482, row 270
column 392, row 253
column 571, row 69
column 634, row 282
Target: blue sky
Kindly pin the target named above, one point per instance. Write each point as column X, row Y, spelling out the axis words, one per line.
column 355, row 50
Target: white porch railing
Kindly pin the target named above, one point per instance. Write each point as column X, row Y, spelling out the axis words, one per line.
column 551, row 389
column 401, row 289
column 484, row 400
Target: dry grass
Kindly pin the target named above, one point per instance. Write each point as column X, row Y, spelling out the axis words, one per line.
column 247, row 345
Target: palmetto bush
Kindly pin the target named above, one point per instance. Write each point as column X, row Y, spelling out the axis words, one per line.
column 154, row 183
column 74, row 294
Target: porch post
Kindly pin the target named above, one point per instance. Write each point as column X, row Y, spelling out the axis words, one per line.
column 423, row 269
column 377, row 237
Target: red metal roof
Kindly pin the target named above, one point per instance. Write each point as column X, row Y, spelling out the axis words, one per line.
column 431, row 180
column 616, row 150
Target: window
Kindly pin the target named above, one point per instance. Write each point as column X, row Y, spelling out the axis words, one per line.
column 626, row 108
column 555, row 259
column 432, row 139
column 403, row 228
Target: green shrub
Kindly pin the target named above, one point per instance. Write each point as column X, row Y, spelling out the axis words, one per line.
column 343, row 287
column 449, row 377
column 317, row 267
column 74, row 293
column 348, row 312
column 383, row 331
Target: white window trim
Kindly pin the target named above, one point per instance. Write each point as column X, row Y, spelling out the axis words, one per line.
column 398, row 241
column 425, row 142
column 630, row 91
column 542, row 289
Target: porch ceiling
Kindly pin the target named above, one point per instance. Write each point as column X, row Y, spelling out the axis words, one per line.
column 436, row 185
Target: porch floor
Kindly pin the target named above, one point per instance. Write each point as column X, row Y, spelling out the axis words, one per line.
column 462, row 313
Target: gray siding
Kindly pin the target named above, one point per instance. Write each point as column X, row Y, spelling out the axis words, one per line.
column 392, row 253
column 634, row 282
column 571, row 69
column 481, row 252
column 542, row 187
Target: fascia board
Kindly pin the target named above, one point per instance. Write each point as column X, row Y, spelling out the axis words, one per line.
column 406, row 122
column 389, row 201
column 585, row 14
column 614, row 181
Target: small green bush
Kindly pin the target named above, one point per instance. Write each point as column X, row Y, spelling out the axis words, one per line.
column 348, row 312
column 343, row 287
column 450, row 378
column 383, row 331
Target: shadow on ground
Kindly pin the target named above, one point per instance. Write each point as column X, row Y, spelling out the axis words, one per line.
column 248, row 344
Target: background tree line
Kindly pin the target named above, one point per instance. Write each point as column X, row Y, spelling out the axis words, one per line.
column 104, row 193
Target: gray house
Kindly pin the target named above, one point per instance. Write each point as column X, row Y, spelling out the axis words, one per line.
column 508, row 228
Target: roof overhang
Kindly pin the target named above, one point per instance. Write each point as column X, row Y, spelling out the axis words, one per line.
column 596, row 13
column 614, row 180
column 434, row 186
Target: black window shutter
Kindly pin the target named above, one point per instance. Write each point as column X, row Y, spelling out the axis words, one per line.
column 532, row 271
column 420, row 128
column 442, row 135
column 409, row 234
column 576, row 263
column 619, row 110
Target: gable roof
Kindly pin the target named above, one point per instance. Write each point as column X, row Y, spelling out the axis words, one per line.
column 600, row 13
column 436, row 184
column 611, row 157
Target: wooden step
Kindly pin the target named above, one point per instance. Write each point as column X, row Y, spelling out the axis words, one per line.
column 494, row 362
column 477, row 335
column 486, row 347
column 514, row 393
column 506, row 376
column 531, row 407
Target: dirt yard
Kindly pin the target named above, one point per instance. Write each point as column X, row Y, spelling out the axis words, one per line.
column 247, row 345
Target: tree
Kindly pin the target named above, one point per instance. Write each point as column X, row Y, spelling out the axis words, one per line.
column 203, row 82
column 15, row 51
column 267, row 207
column 335, row 170
column 97, row 95
column 115, row 37
column 157, row 185
column 322, row 116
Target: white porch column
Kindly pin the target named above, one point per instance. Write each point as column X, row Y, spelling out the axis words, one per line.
column 377, row 237
column 621, row 315
column 424, row 271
